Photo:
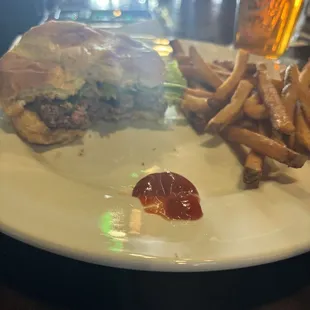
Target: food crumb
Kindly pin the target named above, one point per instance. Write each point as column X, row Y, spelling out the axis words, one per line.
column 57, row 155
column 154, row 149
column 143, row 164
column 81, row 152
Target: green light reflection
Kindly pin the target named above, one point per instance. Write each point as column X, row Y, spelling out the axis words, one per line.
column 106, row 226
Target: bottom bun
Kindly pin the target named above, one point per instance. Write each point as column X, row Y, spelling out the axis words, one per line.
column 32, row 129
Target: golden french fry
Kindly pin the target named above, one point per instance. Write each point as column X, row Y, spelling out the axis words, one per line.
column 304, row 77
column 190, row 73
column 192, row 76
column 277, row 136
column 229, row 65
column 198, row 93
column 282, row 74
column 279, row 118
column 264, row 146
column 193, row 84
column 177, row 47
column 231, row 111
column 302, row 129
column 278, row 84
column 253, row 169
column 195, row 104
column 222, row 74
column 199, row 111
column 246, row 123
column 227, row 88
column 183, row 60
column 216, row 67
column 289, row 97
column 196, row 120
column 291, row 75
column 254, row 109
column 305, row 103
column 208, row 75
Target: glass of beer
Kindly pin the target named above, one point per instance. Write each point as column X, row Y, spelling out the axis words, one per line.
column 265, row 27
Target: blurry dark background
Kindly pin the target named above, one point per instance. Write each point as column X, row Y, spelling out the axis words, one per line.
column 17, row 16
column 205, row 20
column 210, row 20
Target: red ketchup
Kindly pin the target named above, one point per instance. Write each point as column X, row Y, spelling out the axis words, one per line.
column 169, row 195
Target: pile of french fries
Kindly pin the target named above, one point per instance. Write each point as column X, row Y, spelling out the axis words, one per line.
column 240, row 102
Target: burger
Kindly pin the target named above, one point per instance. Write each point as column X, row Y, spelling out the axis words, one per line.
column 64, row 76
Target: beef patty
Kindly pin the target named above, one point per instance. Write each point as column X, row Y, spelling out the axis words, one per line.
column 95, row 102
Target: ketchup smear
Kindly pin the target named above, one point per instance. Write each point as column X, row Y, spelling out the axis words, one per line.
column 169, row 195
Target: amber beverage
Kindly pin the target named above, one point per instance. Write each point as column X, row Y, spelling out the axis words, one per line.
column 264, row 27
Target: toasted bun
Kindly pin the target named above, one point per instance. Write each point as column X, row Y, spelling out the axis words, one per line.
column 55, row 59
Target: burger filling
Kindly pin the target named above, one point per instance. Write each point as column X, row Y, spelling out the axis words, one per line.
column 100, row 101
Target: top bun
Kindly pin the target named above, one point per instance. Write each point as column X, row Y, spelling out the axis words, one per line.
column 56, row 59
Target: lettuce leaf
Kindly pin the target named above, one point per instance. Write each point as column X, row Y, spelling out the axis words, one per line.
column 175, row 84
column 173, row 74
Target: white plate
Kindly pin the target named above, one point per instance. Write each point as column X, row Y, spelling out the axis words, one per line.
column 81, row 207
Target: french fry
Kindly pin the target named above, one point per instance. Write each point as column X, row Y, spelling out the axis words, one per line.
column 246, row 123
column 252, row 79
column 216, row 105
column 264, row 146
column 195, row 104
column 231, row 111
column 190, row 72
column 305, row 102
column 304, row 79
column 193, row 84
column 289, row 97
column 302, row 129
column 177, row 47
column 198, row 93
column 253, row 167
column 222, row 74
column 278, row 84
column 205, row 71
column 264, row 128
column 282, row 74
column 208, row 107
column 228, row 87
column 291, row 75
column 279, row 118
column 216, row 67
column 277, row 136
column 183, row 60
column 197, row 120
column 229, row 65
column 193, row 75
column 199, row 111
column 254, row 109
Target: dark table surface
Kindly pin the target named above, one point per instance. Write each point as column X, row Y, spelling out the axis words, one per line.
column 34, row 279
